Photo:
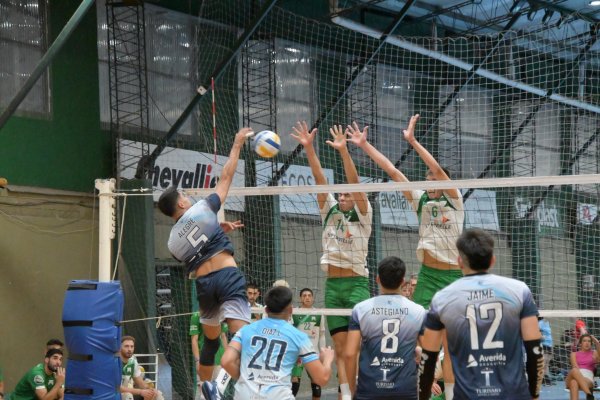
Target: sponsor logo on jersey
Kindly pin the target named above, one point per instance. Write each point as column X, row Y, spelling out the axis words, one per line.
column 490, row 360
column 375, row 362
column 472, row 362
column 251, row 376
column 38, row 380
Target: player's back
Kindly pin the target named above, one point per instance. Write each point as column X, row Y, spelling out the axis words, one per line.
column 482, row 315
column 270, row 349
column 197, row 235
column 389, row 326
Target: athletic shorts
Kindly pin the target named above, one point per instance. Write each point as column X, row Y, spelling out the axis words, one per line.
column 297, row 370
column 431, row 281
column 344, row 293
column 221, row 295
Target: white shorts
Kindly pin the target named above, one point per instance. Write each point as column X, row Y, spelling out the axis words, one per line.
column 587, row 374
column 235, row 309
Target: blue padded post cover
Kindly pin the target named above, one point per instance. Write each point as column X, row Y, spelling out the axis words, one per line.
column 91, row 315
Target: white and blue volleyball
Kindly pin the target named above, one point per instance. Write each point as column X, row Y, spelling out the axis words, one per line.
column 266, row 144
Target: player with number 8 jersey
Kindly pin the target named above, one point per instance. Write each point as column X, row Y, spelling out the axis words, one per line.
column 385, row 328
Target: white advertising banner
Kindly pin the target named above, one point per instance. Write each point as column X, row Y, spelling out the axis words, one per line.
column 295, row 175
column 185, row 169
column 481, row 211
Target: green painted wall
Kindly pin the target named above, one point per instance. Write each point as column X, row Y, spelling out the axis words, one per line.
column 68, row 150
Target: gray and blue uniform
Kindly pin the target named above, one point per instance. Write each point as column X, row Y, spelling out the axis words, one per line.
column 196, row 237
column 389, row 326
column 482, row 316
column 270, row 349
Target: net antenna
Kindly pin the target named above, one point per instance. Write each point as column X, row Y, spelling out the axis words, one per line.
column 146, row 164
column 106, row 226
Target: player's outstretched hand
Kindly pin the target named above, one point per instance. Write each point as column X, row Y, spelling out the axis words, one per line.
column 355, row 135
column 229, row 226
column 243, row 134
column 338, row 136
column 327, row 355
column 409, row 133
column 302, row 135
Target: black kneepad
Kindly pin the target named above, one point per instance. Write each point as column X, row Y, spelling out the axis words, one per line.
column 295, row 388
column 316, row 389
column 209, row 351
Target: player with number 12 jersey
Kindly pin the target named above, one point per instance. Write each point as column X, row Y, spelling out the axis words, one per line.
column 482, row 315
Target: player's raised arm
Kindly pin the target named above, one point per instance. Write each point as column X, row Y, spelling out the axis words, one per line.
column 339, row 143
column 222, row 187
column 434, row 167
column 359, row 138
column 306, row 139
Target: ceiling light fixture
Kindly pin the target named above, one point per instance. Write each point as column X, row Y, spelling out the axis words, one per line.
column 595, row 3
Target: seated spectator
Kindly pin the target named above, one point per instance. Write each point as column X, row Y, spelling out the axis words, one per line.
column 583, row 363
column 133, row 386
column 44, row 381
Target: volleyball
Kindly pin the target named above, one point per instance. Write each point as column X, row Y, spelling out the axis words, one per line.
column 266, row 144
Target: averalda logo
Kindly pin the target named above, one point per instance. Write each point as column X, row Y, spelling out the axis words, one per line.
column 200, row 177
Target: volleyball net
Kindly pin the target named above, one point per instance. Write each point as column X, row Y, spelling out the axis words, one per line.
column 546, row 234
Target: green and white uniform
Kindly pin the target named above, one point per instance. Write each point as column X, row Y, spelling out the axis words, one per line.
column 314, row 327
column 441, row 222
column 196, row 329
column 345, row 236
column 36, row 378
column 345, row 245
column 131, row 369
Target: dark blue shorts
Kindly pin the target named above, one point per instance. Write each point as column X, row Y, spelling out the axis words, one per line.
column 221, row 295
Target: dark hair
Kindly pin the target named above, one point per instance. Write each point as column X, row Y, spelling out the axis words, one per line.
column 584, row 336
column 306, row 290
column 52, row 352
column 252, row 285
column 54, row 342
column 476, row 247
column 278, row 298
column 167, row 202
column 124, row 338
column 391, row 271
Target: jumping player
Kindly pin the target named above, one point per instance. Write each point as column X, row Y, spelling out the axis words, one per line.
column 441, row 217
column 488, row 320
column 198, row 240
column 346, row 232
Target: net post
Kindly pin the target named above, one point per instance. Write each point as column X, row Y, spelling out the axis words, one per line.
column 106, row 226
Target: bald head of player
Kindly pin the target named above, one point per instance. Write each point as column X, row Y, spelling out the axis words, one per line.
column 476, row 251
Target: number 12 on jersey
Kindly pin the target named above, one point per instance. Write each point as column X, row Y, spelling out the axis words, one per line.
column 484, row 313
